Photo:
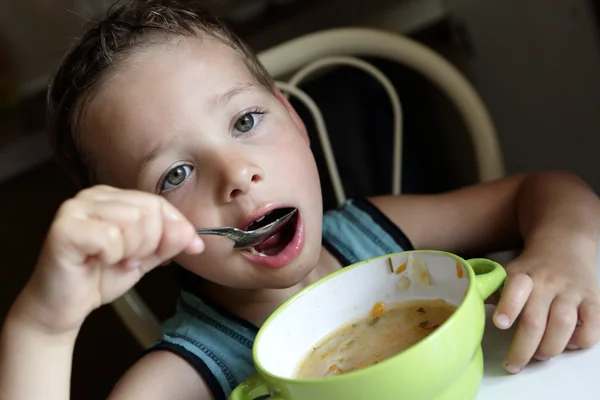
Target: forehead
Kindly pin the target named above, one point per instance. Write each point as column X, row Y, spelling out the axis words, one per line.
column 165, row 75
column 155, row 92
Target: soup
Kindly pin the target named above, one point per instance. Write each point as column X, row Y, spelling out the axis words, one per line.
column 384, row 333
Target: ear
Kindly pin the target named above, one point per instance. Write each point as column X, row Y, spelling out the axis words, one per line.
column 297, row 120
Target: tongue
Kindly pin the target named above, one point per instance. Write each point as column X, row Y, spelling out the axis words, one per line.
column 271, row 246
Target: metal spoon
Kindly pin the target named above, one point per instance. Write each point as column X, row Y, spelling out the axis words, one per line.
column 246, row 239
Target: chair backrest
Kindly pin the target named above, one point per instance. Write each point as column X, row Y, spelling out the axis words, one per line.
column 301, row 58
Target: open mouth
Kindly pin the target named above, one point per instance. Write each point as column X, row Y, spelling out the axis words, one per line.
column 274, row 244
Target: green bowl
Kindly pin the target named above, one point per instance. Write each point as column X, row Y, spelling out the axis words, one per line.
column 446, row 365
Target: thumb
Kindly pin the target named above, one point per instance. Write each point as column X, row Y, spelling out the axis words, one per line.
column 179, row 235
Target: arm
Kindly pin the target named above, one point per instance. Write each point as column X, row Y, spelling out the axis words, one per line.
column 473, row 220
column 33, row 364
column 99, row 246
column 161, row 375
column 557, row 210
column 535, row 209
column 28, row 352
column 552, row 285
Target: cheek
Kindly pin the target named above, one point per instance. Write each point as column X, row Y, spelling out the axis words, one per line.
column 295, row 171
column 293, row 153
column 195, row 204
column 302, row 171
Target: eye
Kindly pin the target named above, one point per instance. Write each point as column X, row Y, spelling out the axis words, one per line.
column 248, row 121
column 175, row 177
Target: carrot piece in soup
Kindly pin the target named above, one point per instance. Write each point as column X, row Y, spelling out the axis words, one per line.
column 432, row 327
column 401, row 269
column 334, row 369
column 377, row 309
column 459, row 270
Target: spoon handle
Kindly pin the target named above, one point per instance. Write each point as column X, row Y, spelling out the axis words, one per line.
column 222, row 231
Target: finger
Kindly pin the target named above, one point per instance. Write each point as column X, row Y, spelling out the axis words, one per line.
column 76, row 240
column 588, row 333
column 135, row 212
column 176, row 235
column 142, row 226
column 156, row 209
column 516, row 291
column 98, row 192
column 529, row 333
column 131, row 220
column 95, row 191
column 561, row 325
column 156, row 205
column 175, row 240
column 148, row 201
column 179, row 229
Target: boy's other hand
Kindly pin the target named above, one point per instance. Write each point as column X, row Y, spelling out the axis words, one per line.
column 558, row 301
column 99, row 246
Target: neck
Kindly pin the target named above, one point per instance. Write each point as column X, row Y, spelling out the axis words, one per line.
column 255, row 306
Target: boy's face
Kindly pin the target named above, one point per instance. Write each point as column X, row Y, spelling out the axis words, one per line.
column 189, row 121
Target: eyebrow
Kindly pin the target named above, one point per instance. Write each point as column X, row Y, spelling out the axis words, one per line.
column 151, row 156
column 234, row 91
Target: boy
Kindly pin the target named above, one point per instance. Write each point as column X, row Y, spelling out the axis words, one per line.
column 170, row 123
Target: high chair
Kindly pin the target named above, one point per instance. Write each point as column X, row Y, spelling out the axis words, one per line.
column 301, row 58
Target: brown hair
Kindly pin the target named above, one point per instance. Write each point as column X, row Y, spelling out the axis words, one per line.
column 104, row 46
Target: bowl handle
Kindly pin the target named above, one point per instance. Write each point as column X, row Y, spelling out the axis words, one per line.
column 252, row 388
column 489, row 275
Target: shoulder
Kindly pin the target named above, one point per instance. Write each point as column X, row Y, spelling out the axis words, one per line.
column 358, row 230
column 215, row 343
column 420, row 216
column 161, row 375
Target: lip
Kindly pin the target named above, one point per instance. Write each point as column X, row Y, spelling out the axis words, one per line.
column 288, row 254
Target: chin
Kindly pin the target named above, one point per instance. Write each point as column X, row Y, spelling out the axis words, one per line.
column 291, row 279
column 297, row 272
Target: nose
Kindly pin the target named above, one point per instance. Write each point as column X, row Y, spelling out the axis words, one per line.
column 239, row 176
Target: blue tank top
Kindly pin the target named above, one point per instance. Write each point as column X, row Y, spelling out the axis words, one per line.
column 218, row 344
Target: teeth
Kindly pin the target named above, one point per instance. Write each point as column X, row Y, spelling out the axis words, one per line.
column 253, row 251
column 261, row 218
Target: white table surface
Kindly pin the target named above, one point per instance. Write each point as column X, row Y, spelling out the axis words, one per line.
column 572, row 375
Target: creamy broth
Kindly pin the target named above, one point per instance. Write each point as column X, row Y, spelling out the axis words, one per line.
column 384, row 333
